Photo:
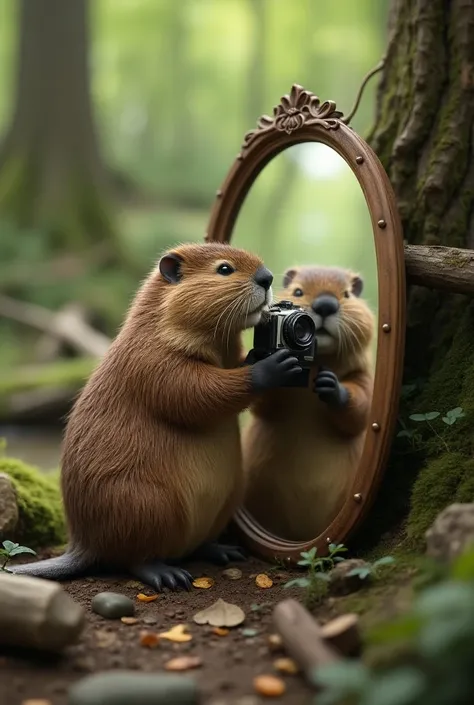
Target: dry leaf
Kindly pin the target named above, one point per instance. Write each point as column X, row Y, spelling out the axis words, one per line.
column 286, row 665
column 263, row 581
column 146, row 598
column 183, row 663
column 220, row 614
column 177, row 634
column 275, row 642
column 105, row 639
column 204, row 583
column 129, row 620
column 220, row 631
column 149, row 639
column 232, row 573
column 269, row 686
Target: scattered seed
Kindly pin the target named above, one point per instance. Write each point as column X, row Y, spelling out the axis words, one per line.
column 275, row 642
column 270, row 686
column 263, row 581
column 183, row 663
column 286, row 665
column 220, row 631
column 205, row 583
column 146, row 598
column 149, row 639
column 129, row 620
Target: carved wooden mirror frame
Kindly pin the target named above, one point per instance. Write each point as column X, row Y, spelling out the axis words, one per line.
column 301, row 117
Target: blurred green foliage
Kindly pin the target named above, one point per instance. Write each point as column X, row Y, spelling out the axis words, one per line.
column 175, row 87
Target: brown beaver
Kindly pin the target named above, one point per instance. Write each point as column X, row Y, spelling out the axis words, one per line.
column 151, row 463
column 301, row 449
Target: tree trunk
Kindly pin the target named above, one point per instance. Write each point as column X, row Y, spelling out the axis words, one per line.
column 423, row 135
column 51, row 172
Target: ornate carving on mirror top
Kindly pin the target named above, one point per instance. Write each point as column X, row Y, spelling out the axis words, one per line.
column 297, row 109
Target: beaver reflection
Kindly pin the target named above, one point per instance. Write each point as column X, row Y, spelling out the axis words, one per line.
column 303, row 445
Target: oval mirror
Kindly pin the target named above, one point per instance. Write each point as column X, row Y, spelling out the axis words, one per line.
column 310, row 196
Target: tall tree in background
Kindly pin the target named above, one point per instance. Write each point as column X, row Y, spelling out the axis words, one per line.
column 51, row 170
column 424, row 136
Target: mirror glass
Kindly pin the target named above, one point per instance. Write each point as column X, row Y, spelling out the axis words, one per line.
column 302, row 445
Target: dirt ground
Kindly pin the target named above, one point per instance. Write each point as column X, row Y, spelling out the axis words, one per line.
column 229, row 662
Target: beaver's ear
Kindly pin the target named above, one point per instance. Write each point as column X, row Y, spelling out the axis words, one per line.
column 288, row 277
column 357, row 285
column 170, row 267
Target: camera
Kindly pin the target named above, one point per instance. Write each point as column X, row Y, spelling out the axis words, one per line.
column 291, row 327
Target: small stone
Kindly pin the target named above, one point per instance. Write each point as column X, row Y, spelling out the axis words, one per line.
column 112, row 605
column 341, row 583
column 232, row 573
column 150, row 620
column 8, row 506
column 126, row 687
column 451, row 532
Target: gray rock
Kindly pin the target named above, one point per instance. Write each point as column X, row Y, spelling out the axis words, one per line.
column 451, row 533
column 341, row 583
column 127, row 687
column 112, row 605
column 8, row 507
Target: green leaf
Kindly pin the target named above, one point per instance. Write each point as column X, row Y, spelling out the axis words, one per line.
column 463, row 566
column 386, row 560
column 445, row 599
column 457, row 412
column 22, row 549
column 418, row 417
column 338, row 559
column 322, row 576
column 298, row 582
column 305, row 562
column 9, row 546
column 361, row 572
column 432, row 415
column 449, row 420
column 440, row 637
column 404, row 434
column 340, row 680
column 401, row 686
column 309, row 555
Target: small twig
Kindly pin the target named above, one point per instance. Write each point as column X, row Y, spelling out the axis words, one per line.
column 346, row 120
column 69, row 326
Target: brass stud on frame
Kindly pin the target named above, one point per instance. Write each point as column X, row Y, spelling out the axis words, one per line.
column 375, row 426
column 328, row 540
column 358, row 497
column 219, row 193
column 386, row 328
column 239, row 157
column 381, row 223
column 359, row 160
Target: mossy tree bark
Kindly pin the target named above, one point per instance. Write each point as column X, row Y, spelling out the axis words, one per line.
column 423, row 135
column 51, row 171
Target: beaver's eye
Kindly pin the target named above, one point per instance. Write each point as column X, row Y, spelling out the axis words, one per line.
column 298, row 292
column 225, row 269
column 346, row 294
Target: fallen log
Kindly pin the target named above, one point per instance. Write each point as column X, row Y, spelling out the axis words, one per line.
column 443, row 268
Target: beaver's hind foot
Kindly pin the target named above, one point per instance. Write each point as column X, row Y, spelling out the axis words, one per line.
column 218, row 553
column 158, row 575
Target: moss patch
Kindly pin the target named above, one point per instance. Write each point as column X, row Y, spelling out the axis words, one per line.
column 64, row 373
column 42, row 520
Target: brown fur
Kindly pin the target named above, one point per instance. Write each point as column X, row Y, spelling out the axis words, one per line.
column 300, row 455
column 151, row 465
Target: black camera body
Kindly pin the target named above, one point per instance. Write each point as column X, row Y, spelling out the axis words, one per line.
column 290, row 327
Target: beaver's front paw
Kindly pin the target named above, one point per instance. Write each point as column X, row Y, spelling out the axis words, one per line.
column 330, row 390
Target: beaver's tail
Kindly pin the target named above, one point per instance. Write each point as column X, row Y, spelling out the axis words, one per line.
column 66, row 567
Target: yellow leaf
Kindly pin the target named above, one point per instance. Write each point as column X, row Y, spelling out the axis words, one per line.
column 204, row 583
column 177, row 634
column 146, row 598
column 263, row 581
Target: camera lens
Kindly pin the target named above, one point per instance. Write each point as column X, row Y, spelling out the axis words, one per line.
column 299, row 330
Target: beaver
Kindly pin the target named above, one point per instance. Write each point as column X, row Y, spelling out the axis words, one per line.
column 302, row 447
column 151, row 467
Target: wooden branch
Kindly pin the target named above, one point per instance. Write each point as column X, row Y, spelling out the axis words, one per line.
column 302, row 637
column 444, row 268
column 68, row 325
column 36, row 613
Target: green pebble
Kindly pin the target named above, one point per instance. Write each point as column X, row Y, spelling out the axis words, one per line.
column 132, row 688
column 112, row 605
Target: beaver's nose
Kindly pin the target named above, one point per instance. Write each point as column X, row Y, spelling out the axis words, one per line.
column 325, row 306
column 264, row 278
